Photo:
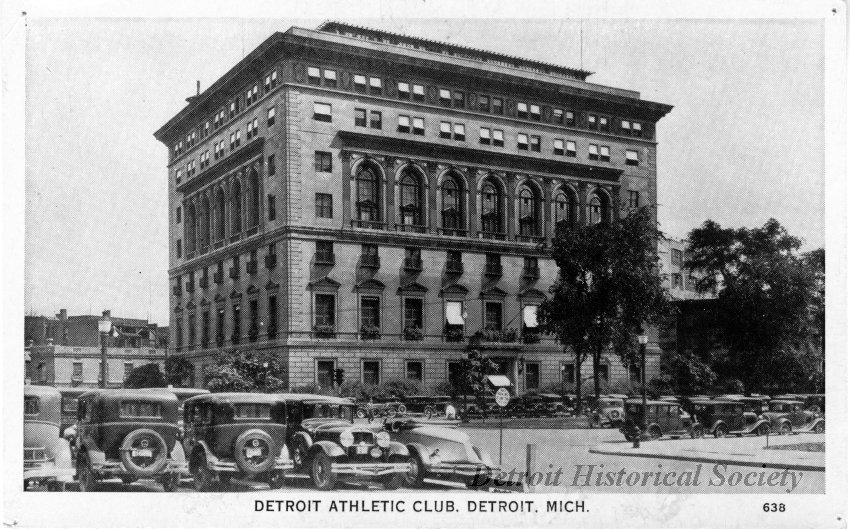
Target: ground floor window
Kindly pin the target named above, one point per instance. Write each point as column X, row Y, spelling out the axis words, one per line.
column 532, row 375
column 634, row 373
column 128, row 367
column 371, row 372
column 568, row 373
column 493, row 315
column 414, row 370
column 603, row 372
column 325, row 373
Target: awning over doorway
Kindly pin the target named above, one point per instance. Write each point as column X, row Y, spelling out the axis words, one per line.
column 499, row 381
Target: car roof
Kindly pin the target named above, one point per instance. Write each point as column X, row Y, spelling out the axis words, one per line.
column 265, row 398
column 116, row 394
column 40, row 391
column 180, row 392
column 312, row 397
column 662, row 402
column 787, row 401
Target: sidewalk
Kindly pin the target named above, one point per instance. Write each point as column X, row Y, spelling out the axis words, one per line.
column 745, row 451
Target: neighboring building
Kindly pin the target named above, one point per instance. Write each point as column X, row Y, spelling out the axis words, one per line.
column 65, row 351
column 678, row 280
column 357, row 199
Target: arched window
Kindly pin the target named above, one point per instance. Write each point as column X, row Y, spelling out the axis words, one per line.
column 491, row 208
column 191, row 227
column 254, row 199
column 236, row 208
column 206, row 220
column 452, row 204
column 219, row 215
column 566, row 207
column 529, row 211
column 598, row 209
column 368, row 194
column 410, row 208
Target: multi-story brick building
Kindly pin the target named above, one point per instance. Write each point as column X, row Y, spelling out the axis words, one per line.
column 352, row 198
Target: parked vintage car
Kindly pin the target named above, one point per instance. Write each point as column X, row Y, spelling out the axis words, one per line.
column 237, row 435
column 427, row 405
column 662, row 418
column 723, row 416
column 129, row 434
column 327, row 445
column 47, row 456
column 439, row 451
column 754, row 403
column 182, row 394
column 380, row 409
column 814, row 402
column 786, row 416
column 606, row 412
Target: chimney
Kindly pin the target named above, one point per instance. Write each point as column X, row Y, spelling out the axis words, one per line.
column 63, row 314
column 107, row 314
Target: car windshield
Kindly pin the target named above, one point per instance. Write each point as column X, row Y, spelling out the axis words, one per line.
column 779, row 406
column 31, row 405
column 329, row 411
column 609, row 402
column 140, row 408
column 69, row 405
column 252, row 410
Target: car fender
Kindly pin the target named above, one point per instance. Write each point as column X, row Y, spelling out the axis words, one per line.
column 815, row 422
column 398, row 449
column 718, row 423
column 97, row 458
column 303, row 438
column 330, row 448
column 420, row 450
column 202, row 447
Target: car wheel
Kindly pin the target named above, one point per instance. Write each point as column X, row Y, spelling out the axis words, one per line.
column 654, row 432
column 820, row 427
column 720, row 431
column 394, row 480
column 429, row 411
column 413, row 477
column 391, row 412
column 203, row 477
column 56, row 486
column 697, row 432
column 85, row 475
column 785, row 429
column 402, row 408
column 299, row 457
column 147, row 441
column 361, row 413
column 321, row 472
column 169, row 482
column 275, row 479
column 763, row 429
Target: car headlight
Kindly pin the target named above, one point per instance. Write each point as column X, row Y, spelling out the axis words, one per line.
column 383, row 439
column 346, row 438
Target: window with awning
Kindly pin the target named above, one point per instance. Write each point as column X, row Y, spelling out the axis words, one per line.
column 454, row 312
column 529, row 316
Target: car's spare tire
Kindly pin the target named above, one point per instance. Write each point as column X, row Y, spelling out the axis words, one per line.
column 144, row 452
column 254, row 451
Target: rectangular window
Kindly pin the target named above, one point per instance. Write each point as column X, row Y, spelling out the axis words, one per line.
column 271, row 330
column 371, row 372
column 205, row 327
column 493, row 315
column 404, row 124
column 558, row 146
column 498, row 105
column 325, row 310
column 253, row 129
column 592, row 121
column 593, row 151
column 484, row 136
column 414, row 370
column 418, row 92
column 460, row 132
column 676, row 257
column 376, row 86
column 324, row 162
column 206, row 130
column 522, row 110
column 570, row 118
column 568, row 373
column 370, row 315
column 178, row 215
column 77, row 373
column 324, row 205
column 314, row 75
column 403, row 90
column 271, row 165
column 532, row 375
column 419, row 126
column 360, row 83
column 634, row 199
column 445, row 130
column 631, row 158
column 605, row 153
column 522, row 141
column 330, row 78
column 637, row 129
column 359, row 117
column 534, row 111
column 270, row 114
column 677, row 280
column 322, row 112
column 325, row 373
column 252, row 411
column 626, row 127
column 535, row 143
column 325, row 252
column 571, row 148
column 558, row 115
column 484, row 103
column 178, row 175
column 179, row 249
column 445, row 97
column 603, row 124
column 454, row 314
column 252, row 95
column 140, row 408
column 603, row 372
column 459, row 99
column 375, row 119
column 271, row 207
column 498, row 138
column 413, row 314
column 128, row 368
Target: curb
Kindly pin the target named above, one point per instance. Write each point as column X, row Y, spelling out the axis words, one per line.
column 698, row 459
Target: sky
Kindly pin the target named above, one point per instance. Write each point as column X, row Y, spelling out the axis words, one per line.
column 743, row 143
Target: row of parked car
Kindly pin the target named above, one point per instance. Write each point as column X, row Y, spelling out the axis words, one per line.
column 722, row 416
column 158, row 434
column 523, row 406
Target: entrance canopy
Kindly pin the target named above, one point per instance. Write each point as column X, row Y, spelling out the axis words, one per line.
column 499, row 381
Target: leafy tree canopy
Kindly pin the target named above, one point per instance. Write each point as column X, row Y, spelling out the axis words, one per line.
column 145, row 376
column 242, row 371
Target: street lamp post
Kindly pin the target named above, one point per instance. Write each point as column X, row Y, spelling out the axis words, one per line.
column 104, row 325
column 642, row 340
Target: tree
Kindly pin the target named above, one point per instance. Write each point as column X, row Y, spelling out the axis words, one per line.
column 145, row 376
column 242, row 371
column 470, row 376
column 768, row 299
column 607, row 289
column 178, row 371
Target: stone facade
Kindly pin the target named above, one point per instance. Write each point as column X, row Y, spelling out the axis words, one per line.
column 67, row 366
column 358, row 206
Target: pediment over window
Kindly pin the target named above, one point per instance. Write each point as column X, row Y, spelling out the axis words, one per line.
column 494, row 292
column 252, row 290
column 190, row 305
column 271, row 285
column 455, row 289
column 370, row 284
column 235, row 295
column 325, row 283
column 532, row 293
column 413, row 287
column 178, row 309
column 218, row 298
column 205, row 302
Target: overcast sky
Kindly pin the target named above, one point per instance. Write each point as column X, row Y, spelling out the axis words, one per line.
column 743, row 143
